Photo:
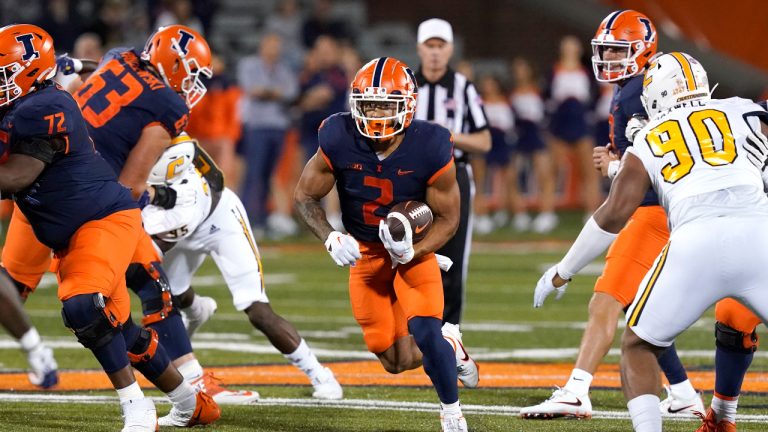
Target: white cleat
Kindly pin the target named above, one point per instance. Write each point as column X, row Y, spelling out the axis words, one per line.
column 43, row 367
column 205, row 308
column 453, row 423
column 326, row 386
column 139, row 416
column 222, row 396
column 562, row 403
column 468, row 371
column 674, row 406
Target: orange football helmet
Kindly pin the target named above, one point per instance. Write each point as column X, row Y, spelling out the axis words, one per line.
column 180, row 55
column 628, row 31
column 384, row 84
column 26, row 59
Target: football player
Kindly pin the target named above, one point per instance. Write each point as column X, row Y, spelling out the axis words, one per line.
column 67, row 194
column 622, row 47
column 216, row 224
column 704, row 158
column 134, row 103
column 378, row 156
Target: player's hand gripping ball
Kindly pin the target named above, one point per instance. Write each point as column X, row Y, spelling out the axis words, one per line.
column 416, row 214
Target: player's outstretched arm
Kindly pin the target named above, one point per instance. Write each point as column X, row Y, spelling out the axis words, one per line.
column 152, row 143
column 19, row 172
column 316, row 181
column 443, row 198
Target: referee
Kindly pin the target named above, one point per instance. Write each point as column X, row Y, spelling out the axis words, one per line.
column 448, row 98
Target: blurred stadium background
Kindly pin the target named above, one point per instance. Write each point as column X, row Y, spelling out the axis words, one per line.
column 322, row 43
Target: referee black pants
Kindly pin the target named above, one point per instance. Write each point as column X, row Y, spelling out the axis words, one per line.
column 457, row 249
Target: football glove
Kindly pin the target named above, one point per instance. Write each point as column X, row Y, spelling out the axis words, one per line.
column 165, row 197
column 545, row 287
column 401, row 251
column 68, row 65
column 186, row 193
column 634, row 125
column 343, row 248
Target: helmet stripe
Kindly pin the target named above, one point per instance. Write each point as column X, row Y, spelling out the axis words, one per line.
column 611, row 19
column 690, row 81
column 378, row 72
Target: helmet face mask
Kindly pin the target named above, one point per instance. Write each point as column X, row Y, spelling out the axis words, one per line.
column 383, row 98
column 627, row 32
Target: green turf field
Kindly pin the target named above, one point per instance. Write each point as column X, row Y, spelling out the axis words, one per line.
column 307, row 288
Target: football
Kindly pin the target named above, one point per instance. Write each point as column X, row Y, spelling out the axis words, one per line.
column 415, row 213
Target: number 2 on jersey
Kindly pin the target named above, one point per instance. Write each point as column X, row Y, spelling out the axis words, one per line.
column 385, row 198
column 701, row 123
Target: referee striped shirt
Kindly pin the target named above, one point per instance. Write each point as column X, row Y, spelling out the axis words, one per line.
column 452, row 102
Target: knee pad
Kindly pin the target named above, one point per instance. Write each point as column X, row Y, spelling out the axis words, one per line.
column 144, row 350
column 24, row 290
column 731, row 339
column 86, row 317
column 152, row 287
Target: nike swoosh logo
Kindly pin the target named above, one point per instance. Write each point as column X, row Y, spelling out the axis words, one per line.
column 466, row 356
column 419, row 229
column 403, row 172
column 577, row 403
column 675, row 411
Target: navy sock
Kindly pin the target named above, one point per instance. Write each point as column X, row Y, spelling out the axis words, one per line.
column 730, row 368
column 173, row 336
column 439, row 360
column 671, row 365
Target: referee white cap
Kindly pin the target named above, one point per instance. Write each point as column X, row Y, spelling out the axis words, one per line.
column 435, row 28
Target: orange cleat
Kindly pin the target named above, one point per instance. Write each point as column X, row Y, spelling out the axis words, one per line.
column 709, row 423
column 212, row 385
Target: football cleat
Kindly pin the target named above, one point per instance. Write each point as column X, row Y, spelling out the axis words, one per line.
column 562, row 403
column 43, row 367
column 139, row 415
column 453, row 423
column 709, row 423
column 467, row 369
column 673, row 405
column 212, row 385
column 326, row 386
column 206, row 411
column 206, row 307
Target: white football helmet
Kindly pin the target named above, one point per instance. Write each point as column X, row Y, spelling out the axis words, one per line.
column 173, row 162
column 672, row 79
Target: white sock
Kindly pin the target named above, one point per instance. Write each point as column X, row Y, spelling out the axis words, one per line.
column 683, row 390
column 30, row 340
column 183, row 397
column 725, row 409
column 131, row 393
column 304, row 359
column 579, row 382
column 451, row 409
column 645, row 413
column 191, row 370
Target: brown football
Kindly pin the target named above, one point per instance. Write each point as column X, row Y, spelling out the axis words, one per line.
column 416, row 213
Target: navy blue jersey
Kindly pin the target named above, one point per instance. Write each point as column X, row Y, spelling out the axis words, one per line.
column 369, row 187
column 625, row 104
column 123, row 97
column 77, row 186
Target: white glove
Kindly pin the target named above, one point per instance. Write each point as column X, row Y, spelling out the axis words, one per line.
column 634, row 125
column 444, row 262
column 545, row 287
column 343, row 248
column 186, row 193
column 401, row 251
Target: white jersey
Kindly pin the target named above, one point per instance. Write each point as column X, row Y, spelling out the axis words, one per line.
column 706, row 158
column 175, row 224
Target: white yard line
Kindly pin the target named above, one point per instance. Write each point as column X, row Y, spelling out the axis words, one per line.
column 360, row 404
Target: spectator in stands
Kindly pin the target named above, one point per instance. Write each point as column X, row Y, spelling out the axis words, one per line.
column 570, row 96
column 287, row 22
column 528, row 107
column 324, row 87
column 321, row 22
column 179, row 12
column 59, row 18
column 497, row 177
column 215, row 121
column 269, row 85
